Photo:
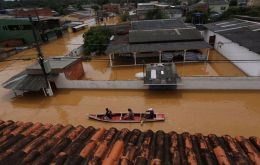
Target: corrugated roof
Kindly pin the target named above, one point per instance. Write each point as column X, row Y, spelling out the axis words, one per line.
column 245, row 33
column 57, row 64
column 23, row 81
column 157, row 24
column 218, row 2
column 164, row 35
column 37, row 143
column 151, row 47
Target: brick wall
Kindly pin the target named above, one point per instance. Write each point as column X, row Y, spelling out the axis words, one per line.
column 12, row 43
column 75, row 71
column 32, row 12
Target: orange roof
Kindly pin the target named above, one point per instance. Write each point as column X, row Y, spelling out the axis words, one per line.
column 37, row 143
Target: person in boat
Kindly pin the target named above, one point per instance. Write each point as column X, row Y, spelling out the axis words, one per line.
column 150, row 114
column 108, row 115
column 130, row 115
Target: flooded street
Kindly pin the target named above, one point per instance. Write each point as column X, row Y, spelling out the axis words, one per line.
column 219, row 112
column 98, row 69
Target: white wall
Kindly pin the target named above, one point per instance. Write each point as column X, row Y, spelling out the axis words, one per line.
column 90, row 22
column 218, row 8
column 220, row 83
column 234, row 51
column 187, row 83
column 62, row 82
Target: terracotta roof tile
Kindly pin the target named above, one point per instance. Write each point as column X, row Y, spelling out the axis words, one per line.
column 28, row 143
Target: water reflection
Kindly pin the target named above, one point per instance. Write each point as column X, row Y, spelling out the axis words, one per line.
column 98, row 69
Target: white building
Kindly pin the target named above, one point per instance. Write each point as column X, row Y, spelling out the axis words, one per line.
column 239, row 41
column 218, row 6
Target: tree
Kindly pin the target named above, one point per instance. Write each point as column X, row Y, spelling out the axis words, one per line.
column 124, row 17
column 95, row 7
column 253, row 11
column 156, row 14
column 233, row 3
column 96, row 40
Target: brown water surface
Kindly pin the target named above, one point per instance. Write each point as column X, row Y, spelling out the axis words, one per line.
column 98, row 69
column 220, row 112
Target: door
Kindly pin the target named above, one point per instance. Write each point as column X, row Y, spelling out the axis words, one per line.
column 212, row 40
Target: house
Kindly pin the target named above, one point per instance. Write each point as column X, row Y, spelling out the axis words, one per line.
column 19, row 30
column 111, row 8
column 218, row 6
column 170, row 11
column 238, row 40
column 80, row 18
column 70, row 9
column 32, row 78
column 43, row 143
column 33, row 12
column 153, row 41
column 88, row 10
column 253, row 3
column 201, row 6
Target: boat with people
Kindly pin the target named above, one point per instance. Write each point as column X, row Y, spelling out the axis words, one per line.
column 119, row 118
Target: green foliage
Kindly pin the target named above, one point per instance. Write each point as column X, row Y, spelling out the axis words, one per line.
column 205, row 15
column 124, row 17
column 96, row 40
column 156, row 14
column 95, row 7
column 233, row 3
column 253, row 11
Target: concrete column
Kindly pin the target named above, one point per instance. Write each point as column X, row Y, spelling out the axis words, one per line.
column 160, row 56
column 184, row 55
column 208, row 51
column 110, row 60
column 135, row 57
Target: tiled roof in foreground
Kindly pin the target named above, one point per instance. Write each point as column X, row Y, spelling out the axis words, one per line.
column 36, row 143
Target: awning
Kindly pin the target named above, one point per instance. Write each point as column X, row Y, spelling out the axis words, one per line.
column 25, row 82
column 151, row 47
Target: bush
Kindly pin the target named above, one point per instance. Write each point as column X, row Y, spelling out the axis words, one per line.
column 96, row 40
column 124, row 17
column 247, row 11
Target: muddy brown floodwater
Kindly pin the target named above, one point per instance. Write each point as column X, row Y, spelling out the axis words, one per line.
column 220, row 112
column 98, row 69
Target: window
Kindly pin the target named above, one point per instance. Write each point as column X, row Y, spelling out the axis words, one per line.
column 4, row 28
column 13, row 27
column 223, row 8
column 25, row 27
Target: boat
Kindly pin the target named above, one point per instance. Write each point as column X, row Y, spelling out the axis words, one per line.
column 118, row 118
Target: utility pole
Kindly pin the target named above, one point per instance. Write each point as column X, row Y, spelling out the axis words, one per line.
column 40, row 55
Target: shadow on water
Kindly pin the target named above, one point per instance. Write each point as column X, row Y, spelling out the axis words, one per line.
column 163, row 94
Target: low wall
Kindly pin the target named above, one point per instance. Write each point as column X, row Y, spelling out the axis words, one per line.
column 187, row 83
column 62, row 82
column 220, row 83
